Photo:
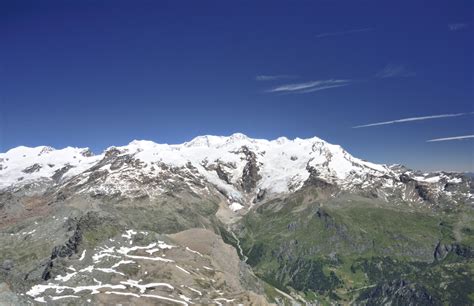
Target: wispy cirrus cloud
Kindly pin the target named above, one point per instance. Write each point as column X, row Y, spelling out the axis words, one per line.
column 311, row 86
column 275, row 77
column 457, row 26
column 341, row 33
column 411, row 120
column 451, row 138
column 394, row 71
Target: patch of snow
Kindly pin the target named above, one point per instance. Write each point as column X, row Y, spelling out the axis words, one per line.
column 109, row 270
column 129, row 234
column 236, row 206
column 195, row 290
column 39, row 289
column 182, row 296
column 104, row 252
column 43, row 162
column 60, row 297
column 142, row 288
column 224, row 300
column 124, row 251
column 40, row 299
column 154, row 250
column 187, row 272
column 192, row 251
column 66, row 277
column 123, row 293
column 87, row 269
column 122, row 262
column 455, row 180
column 434, row 179
column 83, row 255
column 163, row 245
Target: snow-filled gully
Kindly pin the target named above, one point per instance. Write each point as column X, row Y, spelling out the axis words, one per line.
column 62, row 289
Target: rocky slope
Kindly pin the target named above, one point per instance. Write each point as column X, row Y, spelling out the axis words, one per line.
column 146, row 223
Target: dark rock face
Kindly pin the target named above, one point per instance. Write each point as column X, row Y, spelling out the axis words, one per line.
column 65, row 250
column 97, row 175
column 250, row 175
column 90, row 221
column 45, row 150
column 314, row 180
column 120, row 161
column 424, row 193
column 405, row 179
column 7, row 265
column 87, row 153
column 398, row 292
column 58, row 174
column 109, row 156
column 222, row 175
column 260, row 195
column 421, row 190
column 325, row 217
column 112, row 152
column 32, row 168
column 443, row 250
column 292, row 226
column 70, row 247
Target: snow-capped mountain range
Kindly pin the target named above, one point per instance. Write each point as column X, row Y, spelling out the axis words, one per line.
column 243, row 169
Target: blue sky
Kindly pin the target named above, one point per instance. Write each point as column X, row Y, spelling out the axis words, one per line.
column 101, row 73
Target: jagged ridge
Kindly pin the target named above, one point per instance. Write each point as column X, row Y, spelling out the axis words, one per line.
column 241, row 168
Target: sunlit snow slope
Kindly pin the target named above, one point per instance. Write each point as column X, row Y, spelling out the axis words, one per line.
column 241, row 168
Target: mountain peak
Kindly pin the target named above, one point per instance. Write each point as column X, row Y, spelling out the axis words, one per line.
column 239, row 136
column 216, row 141
column 276, row 166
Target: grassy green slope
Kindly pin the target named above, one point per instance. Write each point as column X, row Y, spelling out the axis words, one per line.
column 342, row 248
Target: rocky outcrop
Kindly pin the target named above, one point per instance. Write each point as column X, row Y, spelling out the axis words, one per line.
column 443, row 250
column 110, row 155
column 398, row 292
column 222, row 174
column 314, row 178
column 250, row 175
column 420, row 189
column 260, row 196
column 58, row 174
column 90, row 222
column 120, row 161
column 32, row 168
column 87, row 153
column 67, row 249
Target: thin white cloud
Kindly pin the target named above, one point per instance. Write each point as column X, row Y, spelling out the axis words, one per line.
column 451, row 138
column 318, row 88
column 457, row 26
column 411, row 119
column 275, row 77
column 393, row 71
column 310, row 86
column 328, row 34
